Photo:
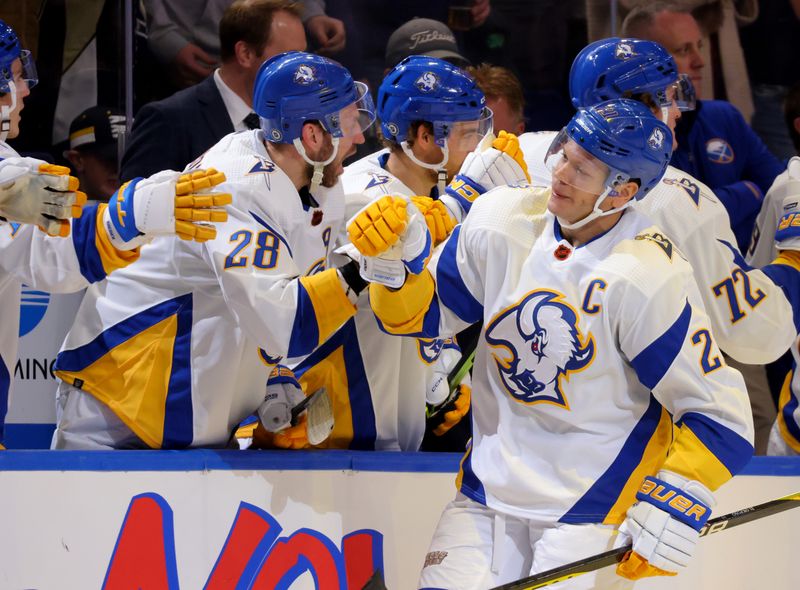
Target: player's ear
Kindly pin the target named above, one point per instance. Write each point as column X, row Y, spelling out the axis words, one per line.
column 312, row 136
column 244, row 54
column 623, row 193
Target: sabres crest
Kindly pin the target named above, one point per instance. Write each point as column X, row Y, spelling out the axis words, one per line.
column 656, row 139
column 536, row 344
column 305, row 75
column 624, row 51
column 427, row 82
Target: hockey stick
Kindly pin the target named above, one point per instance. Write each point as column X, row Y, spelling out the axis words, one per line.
column 614, row 556
column 456, row 375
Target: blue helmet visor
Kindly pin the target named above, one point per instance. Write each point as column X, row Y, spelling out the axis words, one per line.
column 24, row 73
column 463, row 135
column 570, row 164
column 681, row 92
column 353, row 119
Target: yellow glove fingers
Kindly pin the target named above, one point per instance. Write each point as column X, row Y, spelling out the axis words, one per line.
column 436, row 218
column 509, row 144
column 199, row 233
column 198, row 180
column 210, row 200
column 209, row 215
column 57, row 228
column 379, row 226
column 635, row 567
column 295, row 437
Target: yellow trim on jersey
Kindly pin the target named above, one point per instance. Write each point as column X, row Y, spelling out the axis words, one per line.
column 690, row 458
column 789, row 258
column 786, row 394
column 331, row 374
column 654, row 454
column 110, row 257
column 132, row 379
column 332, row 308
column 403, row 311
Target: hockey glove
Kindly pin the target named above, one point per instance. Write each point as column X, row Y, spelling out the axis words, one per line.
column 283, row 393
column 787, row 236
column 167, row 203
column 444, row 408
column 35, row 192
column 501, row 163
column 437, row 217
column 393, row 238
column 664, row 525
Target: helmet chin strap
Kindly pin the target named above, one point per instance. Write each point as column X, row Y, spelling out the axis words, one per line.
column 596, row 213
column 319, row 167
column 5, row 113
column 439, row 168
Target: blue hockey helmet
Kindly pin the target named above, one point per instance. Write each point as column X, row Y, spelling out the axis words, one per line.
column 616, row 68
column 620, row 141
column 295, row 87
column 10, row 50
column 423, row 88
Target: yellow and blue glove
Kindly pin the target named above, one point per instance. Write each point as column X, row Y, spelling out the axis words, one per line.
column 664, row 525
column 167, row 203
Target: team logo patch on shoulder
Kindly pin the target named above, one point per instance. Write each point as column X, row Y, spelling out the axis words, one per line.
column 305, row 75
column 624, row 51
column 262, row 166
column 536, row 344
column 659, row 240
column 429, row 350
column 656, row 139
column 427, row 82
column 376, row 180
column 690, row 187
column 719, row 151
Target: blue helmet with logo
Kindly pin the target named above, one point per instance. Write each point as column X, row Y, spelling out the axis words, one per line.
column 626, row 137
column 617, row 68
column 423, row 88
column 10, row 50
column 295, row 87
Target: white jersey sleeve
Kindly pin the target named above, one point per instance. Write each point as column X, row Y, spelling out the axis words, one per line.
column 664, row 331
column 762, row 248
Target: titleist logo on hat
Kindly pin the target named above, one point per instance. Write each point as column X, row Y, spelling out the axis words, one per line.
column 423, row 37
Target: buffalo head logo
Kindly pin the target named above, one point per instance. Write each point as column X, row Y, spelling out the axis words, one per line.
column 304, row 75
column 427, row 82
column 541, row 343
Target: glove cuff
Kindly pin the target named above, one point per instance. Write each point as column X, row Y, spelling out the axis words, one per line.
column 464, row 190
column 676, row 502
column 120, row 217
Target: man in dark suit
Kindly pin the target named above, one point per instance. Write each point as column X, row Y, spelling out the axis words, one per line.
column 170, row 133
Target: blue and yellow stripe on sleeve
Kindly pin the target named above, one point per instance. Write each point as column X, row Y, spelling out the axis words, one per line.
column 322, row 307
column 412, row 310
column 784, row 271
column 97, row 257
column 707, row 451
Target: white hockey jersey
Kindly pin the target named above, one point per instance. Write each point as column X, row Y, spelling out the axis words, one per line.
column 751, row 315
column 57, row 265
column 377, row 381
column 762, row 248
column 587, row 356
column 180, row 345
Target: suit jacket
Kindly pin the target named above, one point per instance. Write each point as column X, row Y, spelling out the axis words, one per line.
column 170, row 133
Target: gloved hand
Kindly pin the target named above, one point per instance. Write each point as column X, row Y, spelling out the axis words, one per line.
column 437, row 217
column 664, row 525
column 393, row 237
column 787, row 236
column 167, row 203
column 35, row 192
column 283, row 393
column 489, row 166
column 443, row 408
column 452, row 411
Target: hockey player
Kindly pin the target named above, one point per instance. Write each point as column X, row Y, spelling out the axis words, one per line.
column 432, row 115
column 750, row 314
column 174, row 351
column 595, row 347
column 102, row 239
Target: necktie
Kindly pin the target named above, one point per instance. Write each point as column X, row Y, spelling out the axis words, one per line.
column 252, row 121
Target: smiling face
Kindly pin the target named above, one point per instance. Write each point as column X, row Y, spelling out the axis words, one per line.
column 578, row 179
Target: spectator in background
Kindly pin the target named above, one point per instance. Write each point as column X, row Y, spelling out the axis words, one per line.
column 172, row 132
column 423, row 36
column 93, row 152
column 504, row 96
column 715, row 144
column 183, row 35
